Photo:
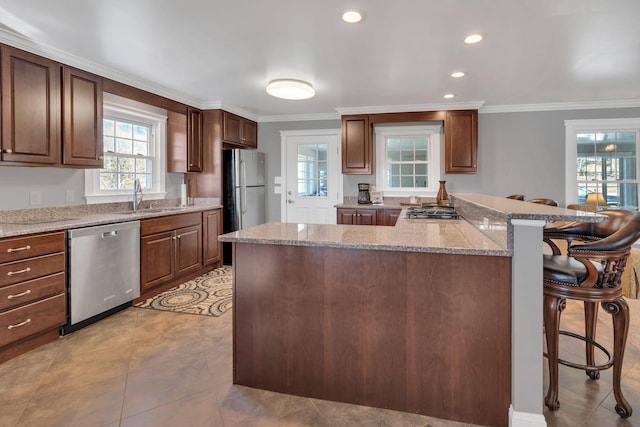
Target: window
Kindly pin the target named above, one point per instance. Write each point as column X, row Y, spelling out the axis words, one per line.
column 602, row 162
column 134, row 139
column 312, row 170
column 408, row 160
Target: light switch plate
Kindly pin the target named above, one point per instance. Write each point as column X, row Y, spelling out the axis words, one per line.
column 277, row 189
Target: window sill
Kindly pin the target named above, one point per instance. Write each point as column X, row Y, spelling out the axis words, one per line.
column 93, row 199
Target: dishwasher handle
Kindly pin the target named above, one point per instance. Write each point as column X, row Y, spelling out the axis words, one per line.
column 113, row 233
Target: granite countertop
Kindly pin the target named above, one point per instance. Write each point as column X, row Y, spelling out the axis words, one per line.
column 18, row 225
column 484, row 230
column 411, row 235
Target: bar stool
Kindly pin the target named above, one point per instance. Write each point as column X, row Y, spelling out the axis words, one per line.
column 548, row 202
column 590, row 272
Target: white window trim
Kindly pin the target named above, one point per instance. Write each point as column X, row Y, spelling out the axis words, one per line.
column 123, row 108
column 381, row 132
column 572, row 127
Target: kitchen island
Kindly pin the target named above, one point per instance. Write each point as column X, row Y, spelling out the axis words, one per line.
column 421, row 317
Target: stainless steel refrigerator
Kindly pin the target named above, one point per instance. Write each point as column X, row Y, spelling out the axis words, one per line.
column 243, row 192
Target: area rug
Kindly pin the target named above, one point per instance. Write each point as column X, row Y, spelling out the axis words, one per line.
column 207, row 295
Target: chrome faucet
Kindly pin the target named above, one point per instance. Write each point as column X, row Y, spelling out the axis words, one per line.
column 137, row 194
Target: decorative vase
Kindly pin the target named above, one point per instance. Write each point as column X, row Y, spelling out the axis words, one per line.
column 443, row 197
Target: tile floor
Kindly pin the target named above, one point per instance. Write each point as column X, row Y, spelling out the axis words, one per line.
column 143, row 367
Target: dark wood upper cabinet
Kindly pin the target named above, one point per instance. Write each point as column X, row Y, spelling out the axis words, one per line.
column 81, row 119
column 194, row 140
column 461, row 141
column 357, row 145
column 460, row 138
column 30, row 108
column 239, row 131
column 176, row 142
column 184, row 141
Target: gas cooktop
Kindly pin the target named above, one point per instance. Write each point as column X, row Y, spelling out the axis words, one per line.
column 432, row 212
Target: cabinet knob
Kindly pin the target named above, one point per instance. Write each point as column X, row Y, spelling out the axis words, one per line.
column 8, row 150
column 100, row 157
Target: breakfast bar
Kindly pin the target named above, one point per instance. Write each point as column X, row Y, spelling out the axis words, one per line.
column 436, row 317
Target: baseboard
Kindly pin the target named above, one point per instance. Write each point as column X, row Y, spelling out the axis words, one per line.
column 525, row 419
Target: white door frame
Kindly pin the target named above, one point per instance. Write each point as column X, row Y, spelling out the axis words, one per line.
column 284, row 135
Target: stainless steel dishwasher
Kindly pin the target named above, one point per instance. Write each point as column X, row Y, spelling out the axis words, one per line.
column 104, row 271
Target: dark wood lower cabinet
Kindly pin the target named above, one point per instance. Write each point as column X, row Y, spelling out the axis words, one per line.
column 188, row 249
column 211, row 229
column 368, row 216
column 424, row 333
column 157, row 253
column 176, row 248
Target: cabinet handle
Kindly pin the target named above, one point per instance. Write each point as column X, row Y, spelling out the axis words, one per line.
column 24, row 248
column 27, row 292
column 26, row 270
column 179, row 237
column 174, row 237
column 8, row 150
column 17, row 325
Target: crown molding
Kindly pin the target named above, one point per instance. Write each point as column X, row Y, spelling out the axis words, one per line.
column 472, row 105
column 300, row 117
column 20, row 42
column 556, row 106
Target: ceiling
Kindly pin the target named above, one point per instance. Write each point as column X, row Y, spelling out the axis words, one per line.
column 222, row 53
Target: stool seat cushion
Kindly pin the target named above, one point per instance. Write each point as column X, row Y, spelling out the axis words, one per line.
column 567, row 270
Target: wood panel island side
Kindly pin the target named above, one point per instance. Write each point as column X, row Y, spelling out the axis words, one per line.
column 417, row 317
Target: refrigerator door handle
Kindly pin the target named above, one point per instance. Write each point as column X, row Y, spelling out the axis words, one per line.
column 243, row 173
column 243, row 200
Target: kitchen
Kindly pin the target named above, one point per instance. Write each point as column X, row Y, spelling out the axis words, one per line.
column 504, row 167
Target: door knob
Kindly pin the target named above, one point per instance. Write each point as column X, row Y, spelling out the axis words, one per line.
column 290, row 201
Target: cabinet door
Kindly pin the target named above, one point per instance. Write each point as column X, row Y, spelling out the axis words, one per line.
column 176, row 142
column 389, row 216
column 212, row 227
column 231, row 128
column 82, row 118
column 461, row 141
column 357, row 147
column 249, row 136
column 30, row 108
column 194, row 140
column 366, row 217
column 346, row 216
column 188, row 249
column 157, row 259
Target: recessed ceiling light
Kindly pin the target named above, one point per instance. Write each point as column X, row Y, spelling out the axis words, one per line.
column 457, row 74
column 449, row 96
column 352, row 16
column 290, row 89
column 473, row 38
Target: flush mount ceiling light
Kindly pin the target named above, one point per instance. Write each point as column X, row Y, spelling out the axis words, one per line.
column 352, row 16
column 290, row 89
column 473, row 38
column 457, row 74
column 448, row 96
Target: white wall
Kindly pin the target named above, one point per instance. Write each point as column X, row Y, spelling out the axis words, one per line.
column 16, row 183
column 517, row 153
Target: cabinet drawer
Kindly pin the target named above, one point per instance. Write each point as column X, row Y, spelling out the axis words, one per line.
column 31, row 290
column 33, row 318
column 19, row 271
column 26, row 247
column 171, row 222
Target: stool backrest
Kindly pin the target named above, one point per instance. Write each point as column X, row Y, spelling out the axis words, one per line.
column 548, row 202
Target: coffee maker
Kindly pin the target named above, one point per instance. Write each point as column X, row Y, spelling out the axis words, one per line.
column 364, row 197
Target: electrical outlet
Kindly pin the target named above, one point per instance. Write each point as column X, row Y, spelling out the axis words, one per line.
column 35, row 198
column 70, row 196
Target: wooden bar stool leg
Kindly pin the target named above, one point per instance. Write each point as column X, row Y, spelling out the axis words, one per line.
column 553, row 307
column 620, row 312
column 590, row 322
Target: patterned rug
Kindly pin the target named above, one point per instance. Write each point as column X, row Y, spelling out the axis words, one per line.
column 208, row 295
